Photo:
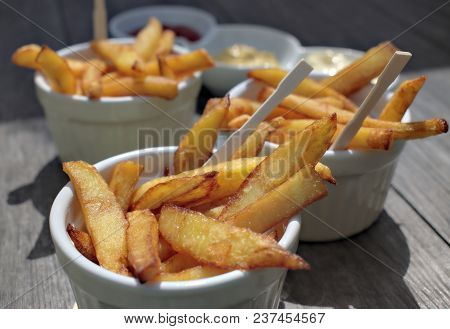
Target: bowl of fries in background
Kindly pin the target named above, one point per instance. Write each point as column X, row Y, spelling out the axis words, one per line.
column 106, row 90
column 363, row 170
column 130, row 235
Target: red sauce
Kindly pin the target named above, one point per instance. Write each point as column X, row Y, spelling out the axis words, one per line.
column 180, row 31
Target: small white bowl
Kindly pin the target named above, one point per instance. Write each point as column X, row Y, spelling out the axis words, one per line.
column 92, row 130
column 96, row 287
column 223, row 77
column 202, row 22
column 363, row 181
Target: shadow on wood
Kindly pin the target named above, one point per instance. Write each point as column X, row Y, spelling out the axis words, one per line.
column 344, row 275
column 41, row 192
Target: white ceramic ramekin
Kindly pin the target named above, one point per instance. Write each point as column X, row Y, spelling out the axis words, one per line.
column 93, row 130
column 222, row 76
column 363, row 180
column 96, row 287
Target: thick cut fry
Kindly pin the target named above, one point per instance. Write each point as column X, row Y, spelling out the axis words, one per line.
column 403, row 97
column 316, row 110
column 336, row 102
column 124, row 177
column 82, row 241
column 155, row 196
column 129, row 63
column 325, row 173
column 91, row 82
column 222, row 245
column 214, row 212
column 26, row 55
column 165, row 43
column 230, row 176
column 365, row 138
column 165, row 251
column 255, row 142
column 142, row 244
column 304, row 148
column 148, row 86
column 199, row 193
column 307, row 88
column 57, row 71
column 196, row 146
column 147, row 39
column 194, row 273
column 360, row 72
column 177, row 263
column 104, row 219
column 238, row 121
column 281, row 203
column 186, row 64
column 108, row 50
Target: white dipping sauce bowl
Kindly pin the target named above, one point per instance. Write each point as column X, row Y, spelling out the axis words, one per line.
column 363, row 181
column 92, row 130
column 96, row 287
column 222, row 77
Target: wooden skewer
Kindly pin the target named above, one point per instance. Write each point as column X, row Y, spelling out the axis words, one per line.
column 99, row 20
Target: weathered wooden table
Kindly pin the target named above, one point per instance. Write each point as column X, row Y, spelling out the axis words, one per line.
column 402, row 261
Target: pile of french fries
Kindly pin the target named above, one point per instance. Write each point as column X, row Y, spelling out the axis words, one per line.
column 202, row 221
column 314, row 100
column 148, row 67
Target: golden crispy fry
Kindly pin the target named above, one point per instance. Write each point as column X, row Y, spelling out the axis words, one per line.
column 186, row 64
column 165, row 43
column 281, row 203
column 304, row 148
column 26, row 55
column 403, row 97
column 142, row 244
column 230, row 176
column 199, row 193
column 307, row 88
column 82, row 242
column 165, row 251
column 57, row 71
column 365, row 138
column 401, row 130
column 360, row 72
column 194, row 273
column 124, row 177
column 255, row 142
column 196, row 146
column 222, row 245
column 155, row 196
column 91, row 82
column 148, row 86
column 148, row 38
column 104, row 219
column 214, row 212
column 238, row 121
column 325, row 173
column 336, row 102
column 177, row 263
column 108, row 50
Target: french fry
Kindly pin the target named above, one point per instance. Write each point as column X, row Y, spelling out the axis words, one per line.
column 238, row 121
column 199, row 193
column 186, row 64
column 124, row 177
column 196, row 146
column 360, row 72
column 165, row 251
column 194, row 273
column 57, row 71
column 165, row 43
column 307, row 88
column 148, row 86
column 336, row 102
column 82, row 241
column 104, row 219
column 304, row 148
column 108, row 50
column 222, row 245
column 178, row 262
column 147, row 39
column 91, row 82
column 255, row 142
column 214, row 212
column 155, row 196
column 316, row 110
column 403, row 97
column 365, row 138
column 281, row 203
column 142, row 244
column 230, row 176
column 325, row 173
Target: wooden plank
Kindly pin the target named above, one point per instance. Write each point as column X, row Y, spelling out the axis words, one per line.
column 409, row 268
